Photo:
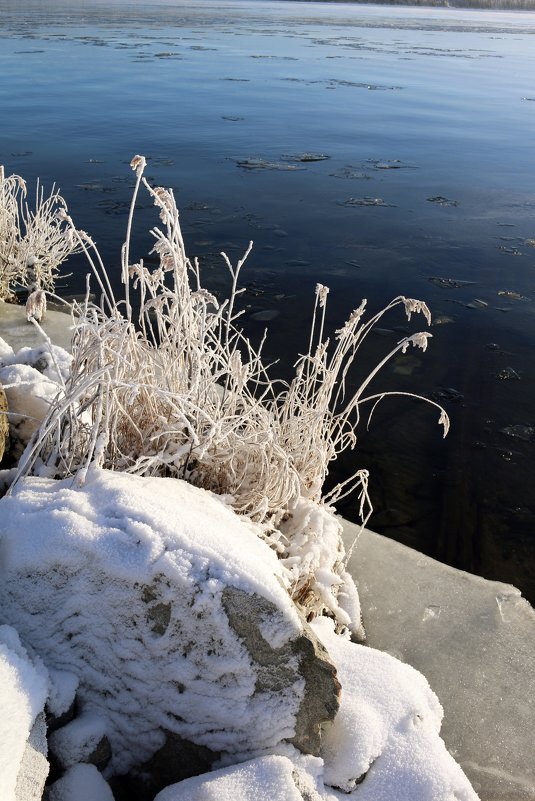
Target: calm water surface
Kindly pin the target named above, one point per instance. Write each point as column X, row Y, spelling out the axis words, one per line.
column 429, row 113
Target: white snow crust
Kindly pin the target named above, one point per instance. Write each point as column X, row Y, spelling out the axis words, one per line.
column 49, row 359
column 386, row 733
column 63, row 686
column 5, row 349
column 76, row 741
column 80, row 783
column 269, row 778
column 23, row 692
column 29, row 395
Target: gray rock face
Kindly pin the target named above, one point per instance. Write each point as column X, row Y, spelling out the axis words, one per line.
column 178, row 759
column 81, row 740
column 34, row 767
column 304, row 656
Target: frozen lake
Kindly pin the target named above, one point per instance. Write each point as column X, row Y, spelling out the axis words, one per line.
column 379, row 150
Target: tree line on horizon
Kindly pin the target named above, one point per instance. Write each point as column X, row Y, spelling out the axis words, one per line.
column 526, row 5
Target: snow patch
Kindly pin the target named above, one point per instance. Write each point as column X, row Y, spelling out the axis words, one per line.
column 269, row 778
column 80, row 783
column 384, row 743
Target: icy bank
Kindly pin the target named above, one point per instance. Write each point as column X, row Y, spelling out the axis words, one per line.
column 474, row 640
column 15, row 328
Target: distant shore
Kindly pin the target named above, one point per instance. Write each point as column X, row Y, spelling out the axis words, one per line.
column 498, row 5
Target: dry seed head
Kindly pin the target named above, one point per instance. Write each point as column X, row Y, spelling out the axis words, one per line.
column 352, row 320
column 204, row 296
column 322, row 292
column 444, row 420
column 419, row 340
column 138, row 164
column 416, row 306
column 36, row 306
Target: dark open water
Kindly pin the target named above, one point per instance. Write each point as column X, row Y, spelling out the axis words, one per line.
column 431, row 111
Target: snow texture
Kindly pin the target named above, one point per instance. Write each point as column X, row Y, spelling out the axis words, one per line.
column 315, row 549
column 23, row 692
column 119, row 582
column 5, row 349
column 48, row 359
column 386, row 733
column 29, row 394
column 63, row 686
column 269, row 778
column 76, row 741
column 80, row 783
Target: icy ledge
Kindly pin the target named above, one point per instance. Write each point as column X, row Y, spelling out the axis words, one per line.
column 474, row 640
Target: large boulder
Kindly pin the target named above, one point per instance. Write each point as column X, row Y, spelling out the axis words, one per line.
column 172, row 613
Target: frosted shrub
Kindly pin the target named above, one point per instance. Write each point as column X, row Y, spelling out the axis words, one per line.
column 177, row 390
column 34, row 242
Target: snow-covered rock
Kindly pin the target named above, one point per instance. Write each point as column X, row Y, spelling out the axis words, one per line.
column 82, row 739
column 49, row 359
column 269, row 778
column 31, row 379
column 34, row 766
column 29, row 395
column 384, row 744
column 23, row 692
column 474, row 640
column 145, row 589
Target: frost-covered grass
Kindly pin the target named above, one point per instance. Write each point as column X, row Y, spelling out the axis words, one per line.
column 176, row 389
column 34, row 240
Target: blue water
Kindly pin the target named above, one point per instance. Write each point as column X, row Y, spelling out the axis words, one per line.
column 432, row 111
